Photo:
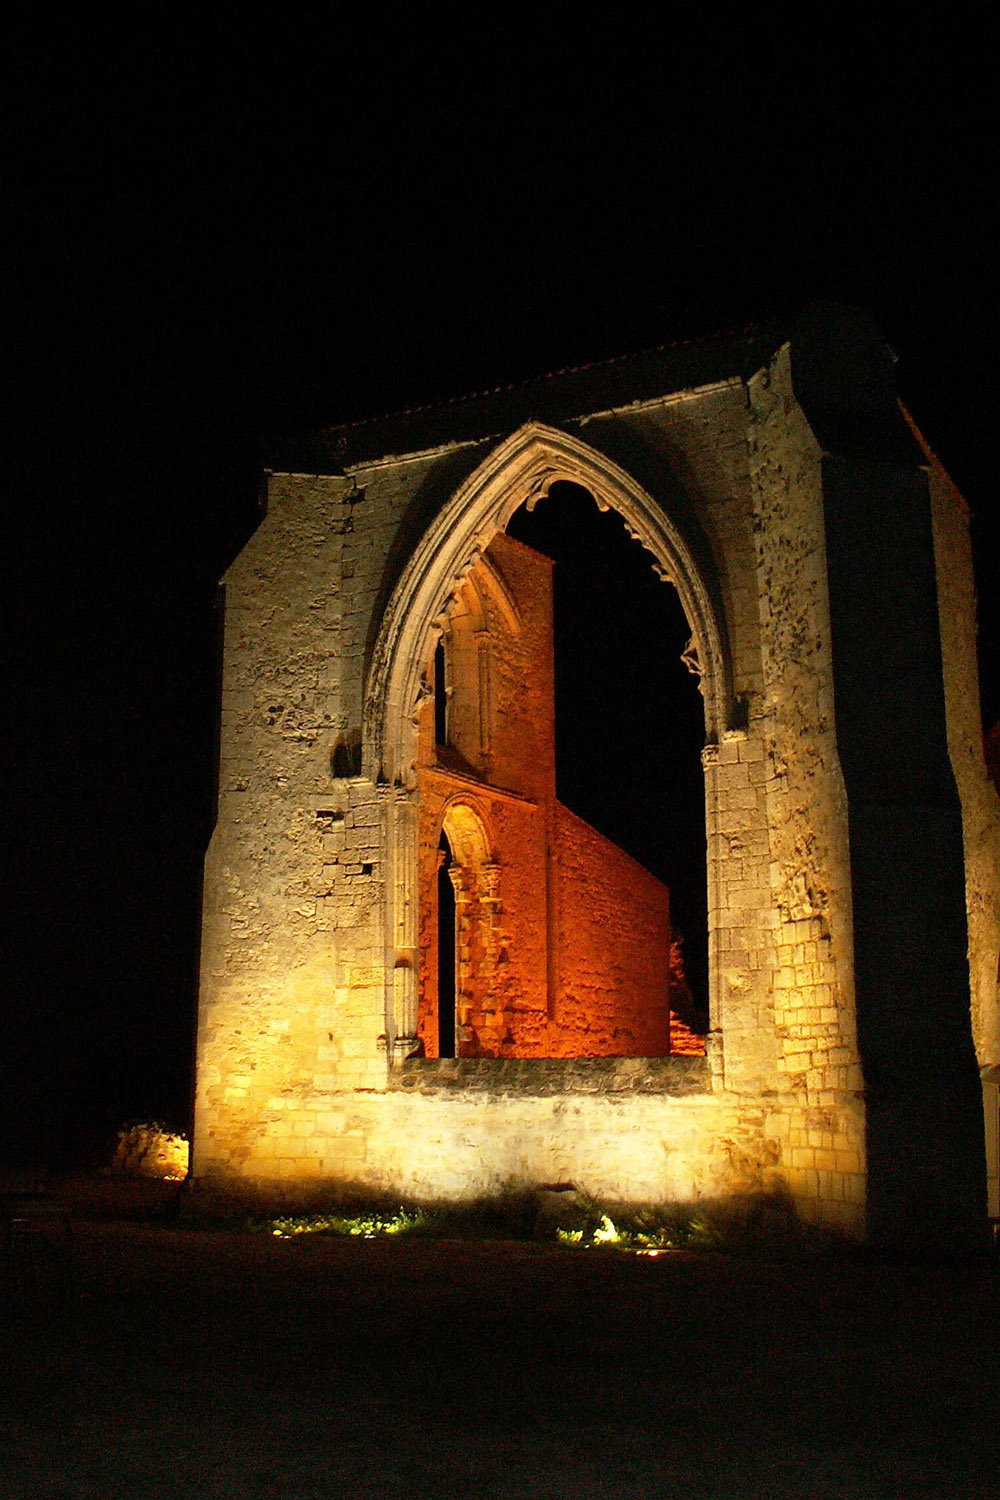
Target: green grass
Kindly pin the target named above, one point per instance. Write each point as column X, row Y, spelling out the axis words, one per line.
column 639, row 1231
column 367, row 1226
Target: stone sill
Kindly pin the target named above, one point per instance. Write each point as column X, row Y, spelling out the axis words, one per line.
column 542, row 1076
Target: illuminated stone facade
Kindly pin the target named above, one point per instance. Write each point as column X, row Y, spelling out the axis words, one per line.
column 821, row 559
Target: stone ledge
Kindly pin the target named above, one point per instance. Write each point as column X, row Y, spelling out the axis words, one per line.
column 554, row 1075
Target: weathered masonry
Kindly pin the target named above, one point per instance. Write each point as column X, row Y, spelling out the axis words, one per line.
column 822, row 560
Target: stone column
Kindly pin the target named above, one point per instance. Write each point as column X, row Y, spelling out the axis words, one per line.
column 485, row 701
column 463, row 899
column 405, row 917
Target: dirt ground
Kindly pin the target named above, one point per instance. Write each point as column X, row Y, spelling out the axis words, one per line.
column 215, row 1363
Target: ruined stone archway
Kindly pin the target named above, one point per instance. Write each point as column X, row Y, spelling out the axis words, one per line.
column 312, row 890
column 520, row 470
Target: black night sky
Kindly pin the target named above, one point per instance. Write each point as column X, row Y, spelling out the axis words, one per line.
column 214, row 237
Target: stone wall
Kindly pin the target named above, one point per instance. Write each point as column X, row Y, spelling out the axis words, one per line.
column 809, row 905
column 980, row 803
column 312, row 943
column 611, row 932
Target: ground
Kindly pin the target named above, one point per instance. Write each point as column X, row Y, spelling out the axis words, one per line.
column 197, row 1362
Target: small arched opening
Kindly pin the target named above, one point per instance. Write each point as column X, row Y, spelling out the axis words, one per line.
column 446, row 956
column 458, row 956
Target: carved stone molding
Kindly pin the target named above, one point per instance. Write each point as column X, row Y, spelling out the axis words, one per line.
column 522, row 468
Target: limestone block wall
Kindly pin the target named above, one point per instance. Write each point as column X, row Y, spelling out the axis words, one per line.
column 291, row 991
column 637, row 1148
column 612, row 948
column 978, row 795
column 819, row 1068
column 623, row 1139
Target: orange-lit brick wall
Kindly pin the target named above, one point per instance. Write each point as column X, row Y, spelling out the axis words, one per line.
column 612, row 941
column 501, row 999
column 562, row 940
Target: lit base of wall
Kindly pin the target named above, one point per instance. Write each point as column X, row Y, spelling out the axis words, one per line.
column 461, row 1146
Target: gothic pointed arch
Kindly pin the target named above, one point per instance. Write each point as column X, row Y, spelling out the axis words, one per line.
column 521, row 470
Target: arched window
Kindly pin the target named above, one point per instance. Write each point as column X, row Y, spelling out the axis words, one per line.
column 406, row 672
column 458, row 950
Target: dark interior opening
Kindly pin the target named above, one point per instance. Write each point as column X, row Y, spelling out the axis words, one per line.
column 440, row 697
column 446, row 952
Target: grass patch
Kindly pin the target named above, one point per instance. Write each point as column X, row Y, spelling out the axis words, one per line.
column 505, row 1218
column 764, row 1225
column 366, row 1226
column 643, row 1232
column 639, row 1231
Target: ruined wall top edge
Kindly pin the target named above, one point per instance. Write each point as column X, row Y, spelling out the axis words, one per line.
column 565, row 396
